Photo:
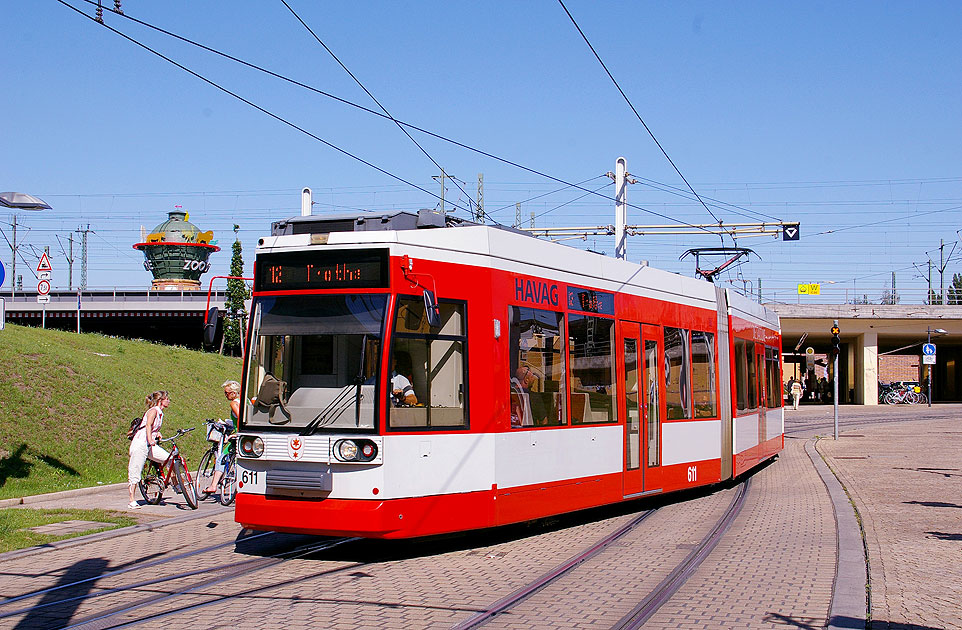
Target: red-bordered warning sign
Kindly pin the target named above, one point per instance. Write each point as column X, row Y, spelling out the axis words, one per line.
column 43, row 287
column 44, row 264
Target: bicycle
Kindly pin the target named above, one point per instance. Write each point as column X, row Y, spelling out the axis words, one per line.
column 901, row 395
column 218, row 432
column 155, row 479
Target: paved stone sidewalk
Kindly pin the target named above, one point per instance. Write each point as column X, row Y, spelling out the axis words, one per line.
column 775, row 567
column 906, row 481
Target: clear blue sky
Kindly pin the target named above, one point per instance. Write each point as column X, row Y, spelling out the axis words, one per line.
column 842, row 116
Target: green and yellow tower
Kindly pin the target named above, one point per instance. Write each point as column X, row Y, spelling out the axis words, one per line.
column 176, row 253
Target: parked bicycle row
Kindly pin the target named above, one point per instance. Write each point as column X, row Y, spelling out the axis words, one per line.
column 902, row 394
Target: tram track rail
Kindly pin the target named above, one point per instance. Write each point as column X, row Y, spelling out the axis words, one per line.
column 687, row 567
column 796, row 430
column 117, row 616
column 651, row 602
column 111, row 618
column 513, row 599
column 137, row 567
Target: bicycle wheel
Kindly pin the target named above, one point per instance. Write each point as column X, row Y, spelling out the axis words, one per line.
column 923, row 398
column 186, row 485
column 891, row 398
column 205, row 472
column 912, row 397
column 228, row 484
column 151, row 487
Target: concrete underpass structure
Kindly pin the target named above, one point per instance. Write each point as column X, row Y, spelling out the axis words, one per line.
column 868, row 331
column 871, row 331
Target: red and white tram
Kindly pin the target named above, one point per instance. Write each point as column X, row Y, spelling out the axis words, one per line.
column 409, row 375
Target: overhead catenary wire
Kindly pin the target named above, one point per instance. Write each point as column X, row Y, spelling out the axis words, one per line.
column 550, row 192
column 886, row 208
column 640, row 119
column 564, row 204
column 263, row 110
column 349, row 103
column 373, row 98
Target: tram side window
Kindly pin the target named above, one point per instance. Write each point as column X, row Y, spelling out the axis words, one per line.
column 677, row 384
column 426, row 384
column 591, row 348
column 703, row 374
column 536, row 364
column 774, row 393
column 752, row 376
column 741, row 376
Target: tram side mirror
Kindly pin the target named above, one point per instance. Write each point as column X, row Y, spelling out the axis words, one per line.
column 211, row 327
column 431, row 309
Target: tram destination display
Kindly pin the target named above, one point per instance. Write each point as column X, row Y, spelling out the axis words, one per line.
column 590, row 301
column 330, row 269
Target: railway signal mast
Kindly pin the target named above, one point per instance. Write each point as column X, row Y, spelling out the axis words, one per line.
column 836, row 348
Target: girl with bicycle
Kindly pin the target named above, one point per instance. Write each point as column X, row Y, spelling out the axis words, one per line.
column 232, row 393
column 144, row 443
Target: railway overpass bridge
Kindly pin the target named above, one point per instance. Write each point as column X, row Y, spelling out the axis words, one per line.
column 173, row 317
column 868, row 331
column 874, row 336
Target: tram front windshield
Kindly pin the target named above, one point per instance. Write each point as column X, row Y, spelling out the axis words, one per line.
column 313, row 362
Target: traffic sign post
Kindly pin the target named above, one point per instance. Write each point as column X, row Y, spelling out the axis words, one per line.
column 44, row 270
column 44, row 264
column 928, row 356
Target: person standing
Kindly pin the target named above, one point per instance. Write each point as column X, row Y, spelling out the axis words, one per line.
column 232, row 393
column 144, row 444
column 796, row 392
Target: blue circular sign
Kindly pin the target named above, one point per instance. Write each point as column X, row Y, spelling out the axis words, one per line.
column 2, row 272
column 928, row 349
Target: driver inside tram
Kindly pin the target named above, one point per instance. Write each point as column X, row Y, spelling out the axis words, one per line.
column 402, row 392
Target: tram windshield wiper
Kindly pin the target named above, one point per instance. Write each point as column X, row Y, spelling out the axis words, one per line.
column 330, row 412
column 341, row 402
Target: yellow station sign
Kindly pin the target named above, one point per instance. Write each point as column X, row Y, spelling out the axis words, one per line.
column 812, row 288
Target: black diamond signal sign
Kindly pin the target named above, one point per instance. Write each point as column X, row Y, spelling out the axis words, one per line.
column 790, row 231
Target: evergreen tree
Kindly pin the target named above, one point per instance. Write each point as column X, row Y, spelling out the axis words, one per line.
column 236, row 294
column 955, row 290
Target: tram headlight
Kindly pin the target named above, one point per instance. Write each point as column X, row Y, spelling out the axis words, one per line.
column 251, row 446
column 346, row 450
column 355, row 450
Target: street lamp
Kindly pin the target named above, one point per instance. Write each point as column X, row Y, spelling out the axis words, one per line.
column 928, row 336
column 19, row 201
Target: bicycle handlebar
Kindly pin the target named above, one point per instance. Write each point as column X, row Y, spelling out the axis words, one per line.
column 179, row 433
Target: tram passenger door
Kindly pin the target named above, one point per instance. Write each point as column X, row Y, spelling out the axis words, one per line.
column 641, row 405
column 760, row 374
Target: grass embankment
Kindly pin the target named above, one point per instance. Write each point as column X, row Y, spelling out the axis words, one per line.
column 66, row 402
column 15, row 524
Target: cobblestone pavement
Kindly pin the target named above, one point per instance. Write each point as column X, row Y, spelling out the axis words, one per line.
column 774, row 568
column 906, row 481
column 602, row 590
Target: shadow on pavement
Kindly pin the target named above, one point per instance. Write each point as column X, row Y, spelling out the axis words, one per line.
column 47, row 613
column 934, row 471
column 944, row 536
column 843, row 621
column 934, row 504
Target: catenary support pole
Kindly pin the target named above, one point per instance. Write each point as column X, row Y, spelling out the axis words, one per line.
column 621, row 208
